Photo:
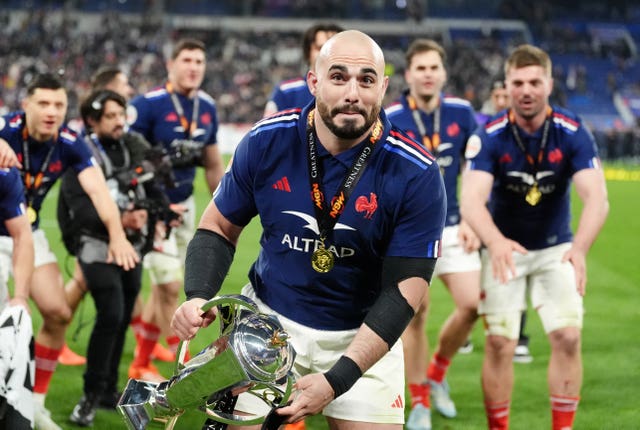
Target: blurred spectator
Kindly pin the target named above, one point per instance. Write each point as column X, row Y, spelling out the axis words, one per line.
column 248, row 62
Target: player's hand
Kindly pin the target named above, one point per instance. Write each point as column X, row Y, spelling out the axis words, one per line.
column 180, row 210
column 8, row 157
column 501, row 252
column 579, row 261
column 188, row 318
column 122, row 253
column 20, row 301
column 312, row 394
column 468, row 238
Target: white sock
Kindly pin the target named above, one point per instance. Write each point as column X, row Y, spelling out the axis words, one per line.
column 38, row 398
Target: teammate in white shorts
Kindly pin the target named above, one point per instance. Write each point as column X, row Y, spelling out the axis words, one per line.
column 442, row 124
column 522, row 162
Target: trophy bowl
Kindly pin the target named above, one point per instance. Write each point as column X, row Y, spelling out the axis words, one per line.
column 252, row 354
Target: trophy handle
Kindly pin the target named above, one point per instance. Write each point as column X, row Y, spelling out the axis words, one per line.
column 171, row 423
column 230, row 307
column 270, row 394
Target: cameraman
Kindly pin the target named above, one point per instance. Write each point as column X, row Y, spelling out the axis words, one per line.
column 114, row 289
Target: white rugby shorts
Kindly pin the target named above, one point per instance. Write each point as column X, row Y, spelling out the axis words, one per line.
column 166, row 264
column 550, row 283
column 377, row 397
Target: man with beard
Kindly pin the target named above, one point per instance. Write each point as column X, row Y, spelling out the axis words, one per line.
column 523, row 162
column 352, row 211
column 38, row 142
column 182, row 119
column 443, row 124
column 113, row 289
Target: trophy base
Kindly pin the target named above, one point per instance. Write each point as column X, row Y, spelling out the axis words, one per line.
column 141, row 403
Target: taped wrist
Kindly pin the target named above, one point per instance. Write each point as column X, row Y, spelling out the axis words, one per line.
column 209, row 257
column 343, row 375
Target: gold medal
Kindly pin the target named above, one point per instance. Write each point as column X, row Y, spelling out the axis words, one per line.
column 533, row 195
column 32, row 215
column 322, row 260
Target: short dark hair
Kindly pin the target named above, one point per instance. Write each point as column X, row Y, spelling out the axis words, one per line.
column 419, row 46
column 93, row 106
column 498, row 83
column 104, row 76
column 309, row 36
column 49, row 81
column 188, row 44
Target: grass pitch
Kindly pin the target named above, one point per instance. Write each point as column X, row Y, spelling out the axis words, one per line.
column 611, row 350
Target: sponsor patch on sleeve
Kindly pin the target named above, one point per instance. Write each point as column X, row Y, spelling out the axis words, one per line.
column 474, row 144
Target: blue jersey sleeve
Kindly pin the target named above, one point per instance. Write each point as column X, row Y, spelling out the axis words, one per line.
column 479, row 153
column 278, row 98
column 140, row 118
column 76, row 151
column 12, row 197
column 210, row 115
column 235, row 195
column 471, row 124
column 585, row 151
column 418, row 230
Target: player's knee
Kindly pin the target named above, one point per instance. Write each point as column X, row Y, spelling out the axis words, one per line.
column 497, row 342
column 420, row 318
column 168, row 292
column 468, row 312
column 59, row 314
column 566, row 340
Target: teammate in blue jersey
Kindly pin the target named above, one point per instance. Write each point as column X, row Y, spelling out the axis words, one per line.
column 443, row 124
column 43, row 148
column 498, row 101
column 15, row 227
column 294, row 93
column 16, row 376
column 182, row 119
column 523, row 162
column 352, row 211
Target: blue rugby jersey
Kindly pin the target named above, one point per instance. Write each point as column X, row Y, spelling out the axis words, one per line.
column 570, row 148
column 457, row 124
column 12, row 200
column 154, row 116
column 396, row 209
column 68, row 150
column 292, row 93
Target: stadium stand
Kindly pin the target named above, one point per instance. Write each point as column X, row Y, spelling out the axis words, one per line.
column 254, row 43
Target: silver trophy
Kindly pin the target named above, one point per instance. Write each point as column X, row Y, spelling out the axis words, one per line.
column 252, row 354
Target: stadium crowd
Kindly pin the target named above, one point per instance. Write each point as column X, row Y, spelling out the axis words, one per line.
column 243, row 64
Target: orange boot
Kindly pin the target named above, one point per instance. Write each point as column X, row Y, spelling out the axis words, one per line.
column 163, row 354
column 69, row 358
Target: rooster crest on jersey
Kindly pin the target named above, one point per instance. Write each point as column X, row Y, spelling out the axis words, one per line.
column 367, row 205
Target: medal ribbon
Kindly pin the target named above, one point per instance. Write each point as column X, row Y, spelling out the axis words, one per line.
column 327, row 215
column 534, row 162
column 430, row 143
column 189, row 128
column 33, row 182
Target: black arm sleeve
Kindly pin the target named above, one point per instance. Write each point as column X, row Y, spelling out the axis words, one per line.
column 390, row 314
column 209, row 257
